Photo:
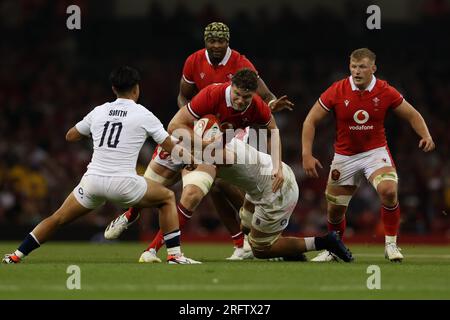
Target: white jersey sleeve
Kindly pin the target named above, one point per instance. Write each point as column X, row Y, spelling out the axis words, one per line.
column 84, row 126
column 155, row 128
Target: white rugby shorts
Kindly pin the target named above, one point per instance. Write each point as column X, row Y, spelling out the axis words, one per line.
column 272, row 213
column 351, row 170
column 94, row 190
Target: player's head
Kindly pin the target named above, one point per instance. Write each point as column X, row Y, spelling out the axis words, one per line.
column 243, row 87
column 362, row 67
column 125, row 82
column 217, row 38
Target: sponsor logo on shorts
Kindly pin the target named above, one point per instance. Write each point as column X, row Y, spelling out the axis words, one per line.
column 335, row 174
column 283, row 222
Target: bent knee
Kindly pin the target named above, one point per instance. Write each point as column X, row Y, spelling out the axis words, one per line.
column 388, row 193
column 192, row 195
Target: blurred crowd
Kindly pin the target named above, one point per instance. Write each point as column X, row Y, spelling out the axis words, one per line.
column 50, row 77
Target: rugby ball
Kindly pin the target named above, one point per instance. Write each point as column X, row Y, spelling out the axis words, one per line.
column 207, row 127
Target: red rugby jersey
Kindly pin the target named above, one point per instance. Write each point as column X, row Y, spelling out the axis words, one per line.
column 200, row 71
column 216, row 99
column 360, row 114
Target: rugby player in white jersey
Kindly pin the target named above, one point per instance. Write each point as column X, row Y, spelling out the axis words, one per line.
column 118, row 130
column 266, row 212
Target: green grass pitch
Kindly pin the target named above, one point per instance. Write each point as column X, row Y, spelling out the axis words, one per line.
column 111, row 271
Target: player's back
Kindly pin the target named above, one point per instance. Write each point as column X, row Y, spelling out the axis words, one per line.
column 118, row 130
column 252, row 171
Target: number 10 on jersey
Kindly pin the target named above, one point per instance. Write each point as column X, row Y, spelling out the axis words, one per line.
column 113, row 134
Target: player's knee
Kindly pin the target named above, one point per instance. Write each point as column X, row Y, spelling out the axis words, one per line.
column 191, row 196
column 169, row 195
column 336, row 213
column 388, row 193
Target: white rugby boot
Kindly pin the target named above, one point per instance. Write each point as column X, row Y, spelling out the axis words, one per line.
column 118, row 226
column 180, row 259
column 11, row 258
column 392, row 252
column 244, row 253
column 325, row 256
column 149, row 257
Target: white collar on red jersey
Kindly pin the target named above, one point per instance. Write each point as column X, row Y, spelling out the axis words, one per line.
column 369, row 87
column 224, row 60
column 228, row 96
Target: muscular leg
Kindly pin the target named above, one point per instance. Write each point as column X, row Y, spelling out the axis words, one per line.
column 190, row 199
column 337, row 203
column 387, row 189
column 227, row 200
column 70, row 210
column 156, row 173
column 164, row 199
column 266, row 246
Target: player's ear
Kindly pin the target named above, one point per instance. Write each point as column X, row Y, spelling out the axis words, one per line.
column 374, row 68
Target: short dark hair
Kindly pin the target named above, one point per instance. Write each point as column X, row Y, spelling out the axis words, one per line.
column 124, row 78
column 245, row 79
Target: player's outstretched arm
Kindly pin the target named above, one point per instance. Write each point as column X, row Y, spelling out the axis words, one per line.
column 315, row 115
column 415, row 119
column 73, row 135
column 275, row 104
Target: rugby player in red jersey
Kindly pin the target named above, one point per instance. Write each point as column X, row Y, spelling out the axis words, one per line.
column 216, row 63
column 360, row 103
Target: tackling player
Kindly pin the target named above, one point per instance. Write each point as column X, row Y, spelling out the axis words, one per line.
column 360, row 103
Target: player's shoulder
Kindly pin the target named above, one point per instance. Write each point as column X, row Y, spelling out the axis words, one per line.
column 384, row 86
column 217, row 88
column 197, row 55
column 339, row 87
column 238, row 57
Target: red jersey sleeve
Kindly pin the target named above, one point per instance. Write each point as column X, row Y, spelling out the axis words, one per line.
column 395, row 97
column 327, row 99
column 263, row 115
column 188, row 70
column 203, row 103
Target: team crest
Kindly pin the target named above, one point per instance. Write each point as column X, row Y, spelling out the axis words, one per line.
column 375, row 101
column 202, row 75
column 335, row 174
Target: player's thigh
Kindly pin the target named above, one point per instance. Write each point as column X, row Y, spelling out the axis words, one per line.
column 161, row 174
column 70, row 210
column 232, row 193
column 155, row 194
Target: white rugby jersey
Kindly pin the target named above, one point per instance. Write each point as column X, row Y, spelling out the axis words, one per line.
column 119, row 129
column 252, row 172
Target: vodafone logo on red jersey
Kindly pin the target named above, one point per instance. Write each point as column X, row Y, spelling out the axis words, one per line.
column 361, row 117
